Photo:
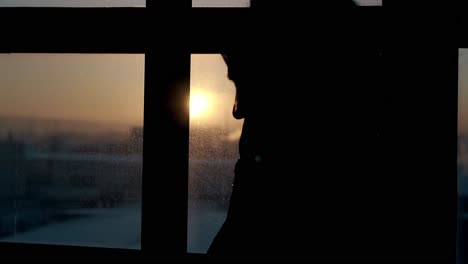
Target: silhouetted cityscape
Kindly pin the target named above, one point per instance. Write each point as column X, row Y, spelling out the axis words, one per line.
column 49, row 168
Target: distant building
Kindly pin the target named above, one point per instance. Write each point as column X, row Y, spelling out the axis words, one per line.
column 52, row 175
column 12, row 178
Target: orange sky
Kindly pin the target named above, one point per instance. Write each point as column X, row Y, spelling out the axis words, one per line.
column 103, row 87
column 463, row 91
column 208, row 77
column 90, row 87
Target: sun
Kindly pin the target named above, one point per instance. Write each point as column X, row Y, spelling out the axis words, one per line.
column 199, row 105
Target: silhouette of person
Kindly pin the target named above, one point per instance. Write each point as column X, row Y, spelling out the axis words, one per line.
column 307, row 131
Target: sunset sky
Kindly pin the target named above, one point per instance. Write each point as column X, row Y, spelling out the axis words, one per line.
column 105, row 88
column 463, row 91
column 97, row 87
column 91, row 87
column 209, row 85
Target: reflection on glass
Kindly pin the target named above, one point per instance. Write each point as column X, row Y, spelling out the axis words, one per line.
column 71, row 139
column 72, row 3
column 214, row 136
column 463, row 156
column 220, row 3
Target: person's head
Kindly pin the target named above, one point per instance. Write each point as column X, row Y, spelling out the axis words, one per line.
column 241, row 73
column 261, row 51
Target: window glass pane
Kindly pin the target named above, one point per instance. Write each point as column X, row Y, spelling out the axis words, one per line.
column 71, row 139
column 220, row 3
column 463, row 156
column 214, row 136
column 72, row 3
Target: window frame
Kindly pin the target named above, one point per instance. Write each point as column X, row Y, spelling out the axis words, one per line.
column 167, row 69
column 167, row 80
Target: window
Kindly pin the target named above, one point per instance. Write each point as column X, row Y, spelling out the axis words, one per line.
column 72, row 3
column 214, row 136
column 173, row 140
column 71, row 140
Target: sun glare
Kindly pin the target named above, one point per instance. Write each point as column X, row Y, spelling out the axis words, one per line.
column 199, row 105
